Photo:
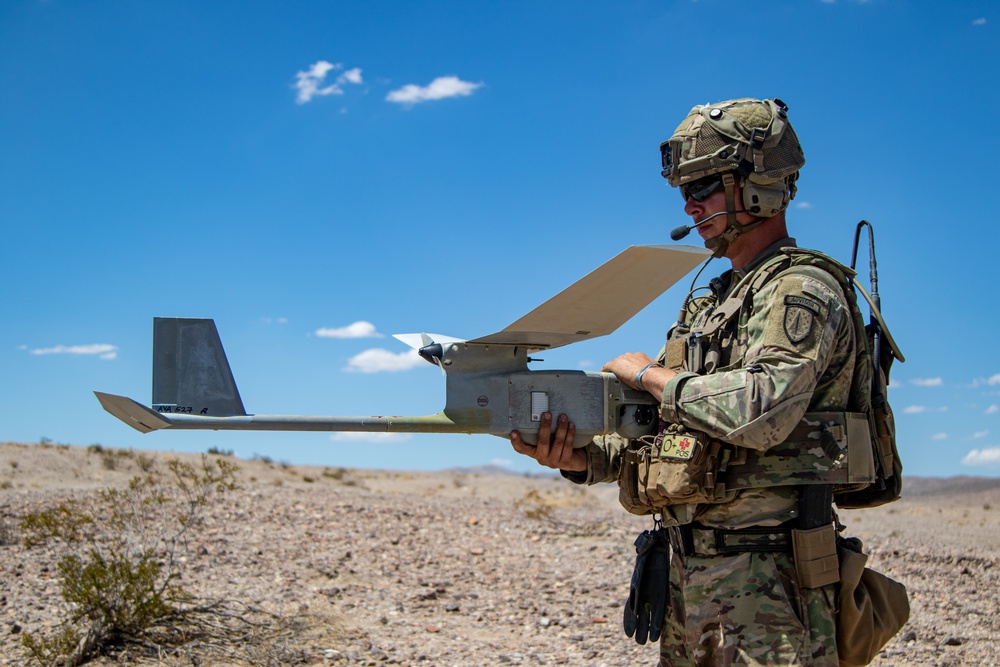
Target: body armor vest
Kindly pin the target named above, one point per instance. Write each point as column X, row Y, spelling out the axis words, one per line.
column 834, row 448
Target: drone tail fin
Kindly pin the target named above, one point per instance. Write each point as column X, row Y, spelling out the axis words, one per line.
column 191, row 374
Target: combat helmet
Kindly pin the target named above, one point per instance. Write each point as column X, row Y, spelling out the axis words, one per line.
column 746, row 139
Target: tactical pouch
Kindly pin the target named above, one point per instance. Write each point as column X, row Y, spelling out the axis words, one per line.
column 683, row 469
column 873, row 607
column 815, row 555
column 635, row 465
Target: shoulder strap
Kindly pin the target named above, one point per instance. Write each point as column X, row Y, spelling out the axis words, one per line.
column 743, row 292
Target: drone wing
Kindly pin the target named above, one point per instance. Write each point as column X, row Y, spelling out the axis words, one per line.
column 603, row 300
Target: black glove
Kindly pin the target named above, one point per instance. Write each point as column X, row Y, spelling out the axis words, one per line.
column 647, row 598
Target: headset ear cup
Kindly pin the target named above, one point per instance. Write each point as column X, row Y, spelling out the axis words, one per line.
column 764, row 200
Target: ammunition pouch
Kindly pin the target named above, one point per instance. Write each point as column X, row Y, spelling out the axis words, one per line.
column 814, row 552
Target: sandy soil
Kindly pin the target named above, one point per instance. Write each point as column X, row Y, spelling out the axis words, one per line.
column 462, row 568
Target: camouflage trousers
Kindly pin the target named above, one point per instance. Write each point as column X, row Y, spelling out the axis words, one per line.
column 746, row 609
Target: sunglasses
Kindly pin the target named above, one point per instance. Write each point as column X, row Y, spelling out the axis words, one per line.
column 702, row 189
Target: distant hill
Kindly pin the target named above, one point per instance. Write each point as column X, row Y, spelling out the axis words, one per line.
column 938, row 486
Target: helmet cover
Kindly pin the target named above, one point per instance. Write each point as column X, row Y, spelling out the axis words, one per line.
column 749, row 136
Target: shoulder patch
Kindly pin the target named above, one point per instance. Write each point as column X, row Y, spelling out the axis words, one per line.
column 800, row 313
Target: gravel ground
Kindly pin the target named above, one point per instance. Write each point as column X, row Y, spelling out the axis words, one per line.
column 455, row 568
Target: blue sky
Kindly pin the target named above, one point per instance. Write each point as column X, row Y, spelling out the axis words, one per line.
column 317, row 176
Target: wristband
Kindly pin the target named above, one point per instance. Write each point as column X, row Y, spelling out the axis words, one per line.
column 638, row 376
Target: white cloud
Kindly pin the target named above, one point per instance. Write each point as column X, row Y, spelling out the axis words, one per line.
column 369, row 436
column 377, row 360
column 992, row 381
column 439, row 89
column 983, row 457
column 359, row 329
column 274, row 320
column 309, row 82
column 803, row 204
column 103, row 351
column 979, row 435
column 352, row 75
column 993, row 409
column 920, row 409
column 501, row 463
column 927, row 382
column 979, row 21
column 939, row 436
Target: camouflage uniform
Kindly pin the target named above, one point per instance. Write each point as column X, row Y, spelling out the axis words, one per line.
column 792, row 351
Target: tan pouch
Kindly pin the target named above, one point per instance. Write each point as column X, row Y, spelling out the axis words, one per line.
column 683, row 469
column 873, row 607
column 815, row 555
column 635, row 465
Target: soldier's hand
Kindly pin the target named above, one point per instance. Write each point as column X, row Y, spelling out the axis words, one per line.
column 627, row 365
column 553, row 450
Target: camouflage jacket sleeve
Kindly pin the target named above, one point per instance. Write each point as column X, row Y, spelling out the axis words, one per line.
column 603, row 460
column 798, row 355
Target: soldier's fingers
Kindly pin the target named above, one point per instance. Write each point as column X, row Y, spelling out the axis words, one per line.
column 543, row 448
column 568, row 449
column 562, row 443
column 520, row 446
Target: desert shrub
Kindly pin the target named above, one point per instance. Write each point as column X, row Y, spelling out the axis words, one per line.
column 534, row 505
column 120, row 576
column 220, row 452
column 108, row 460
column 145, row 462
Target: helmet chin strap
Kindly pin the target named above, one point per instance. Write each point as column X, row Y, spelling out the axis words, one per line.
column 720, row 244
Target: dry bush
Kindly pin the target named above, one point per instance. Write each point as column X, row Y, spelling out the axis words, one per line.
column 120, row 576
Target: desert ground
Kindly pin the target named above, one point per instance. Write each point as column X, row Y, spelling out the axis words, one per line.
column 461, row 568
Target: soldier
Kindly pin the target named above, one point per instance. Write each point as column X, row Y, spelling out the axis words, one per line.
column 760, row 383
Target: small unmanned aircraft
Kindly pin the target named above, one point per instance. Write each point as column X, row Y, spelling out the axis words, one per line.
column 488, row 387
